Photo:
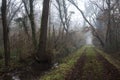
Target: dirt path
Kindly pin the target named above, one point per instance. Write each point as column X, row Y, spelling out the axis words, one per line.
column 110, row 71
column 93, row 66
column 76, row 72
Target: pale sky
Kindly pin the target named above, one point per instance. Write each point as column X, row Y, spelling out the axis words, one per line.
column 76, row 18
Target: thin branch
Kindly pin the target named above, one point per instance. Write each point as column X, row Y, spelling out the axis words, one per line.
column 92, row 27
column 25, row 5
column 11, row 18
column 96, row 5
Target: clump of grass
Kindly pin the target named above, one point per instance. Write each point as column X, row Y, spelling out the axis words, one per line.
column 66, row 65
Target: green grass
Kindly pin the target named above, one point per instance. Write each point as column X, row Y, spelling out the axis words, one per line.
column 93, row 68
column 66, row 65
column 112, row 60
column 90, row 52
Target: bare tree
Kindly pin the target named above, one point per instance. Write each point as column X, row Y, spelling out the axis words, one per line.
column 5, row 32
column 23, row 23
column 108, row 17
column 41, row 51
column 92, row 27
column 30, row 13
column 12, row 9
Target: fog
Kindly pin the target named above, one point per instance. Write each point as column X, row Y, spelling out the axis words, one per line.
column 89, row 38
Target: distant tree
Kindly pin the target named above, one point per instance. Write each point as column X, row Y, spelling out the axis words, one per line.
column 108, row 21
column 94, row 32
column 112, row 41
column 5, row 32
column 13, row 8
column 22, row 22
column 63, row 14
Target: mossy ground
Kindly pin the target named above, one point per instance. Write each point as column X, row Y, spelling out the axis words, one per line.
column 60, row 72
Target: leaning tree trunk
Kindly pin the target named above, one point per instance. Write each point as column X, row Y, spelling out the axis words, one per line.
column 5, row 33
column 41, row 51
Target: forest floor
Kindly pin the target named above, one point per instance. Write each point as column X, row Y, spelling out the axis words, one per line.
column 92, row 65
column 87, row 63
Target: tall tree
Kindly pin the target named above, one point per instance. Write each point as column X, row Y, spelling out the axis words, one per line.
column 108, row 32
column 32, row 21
column 30, row 13
column 5, row 32
column 41, row 51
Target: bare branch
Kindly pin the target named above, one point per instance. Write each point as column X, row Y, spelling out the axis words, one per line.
column 25, row 5
column 12, row 16
column 92, row 27
column 93, row 2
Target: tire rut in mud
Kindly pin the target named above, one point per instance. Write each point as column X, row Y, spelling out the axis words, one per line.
column 76, row 72
column 110, row 72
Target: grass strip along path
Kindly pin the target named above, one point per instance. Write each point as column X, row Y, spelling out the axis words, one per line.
column 87, row 63
column 96, row 67
column 67, row 64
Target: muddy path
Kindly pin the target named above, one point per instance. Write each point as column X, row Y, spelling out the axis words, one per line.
column 110, row 72
column 93, row 66
column 76, row 72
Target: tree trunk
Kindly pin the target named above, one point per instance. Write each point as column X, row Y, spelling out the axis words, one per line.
column 5, row 33
column 41, row 51
column 30, row 14
column 32, row 22
column 108, row 32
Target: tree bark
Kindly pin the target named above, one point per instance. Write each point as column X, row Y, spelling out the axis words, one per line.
column 41, row 51
column 5, row 33
column 32, row 22
column 108, row 32
column 30, row 14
